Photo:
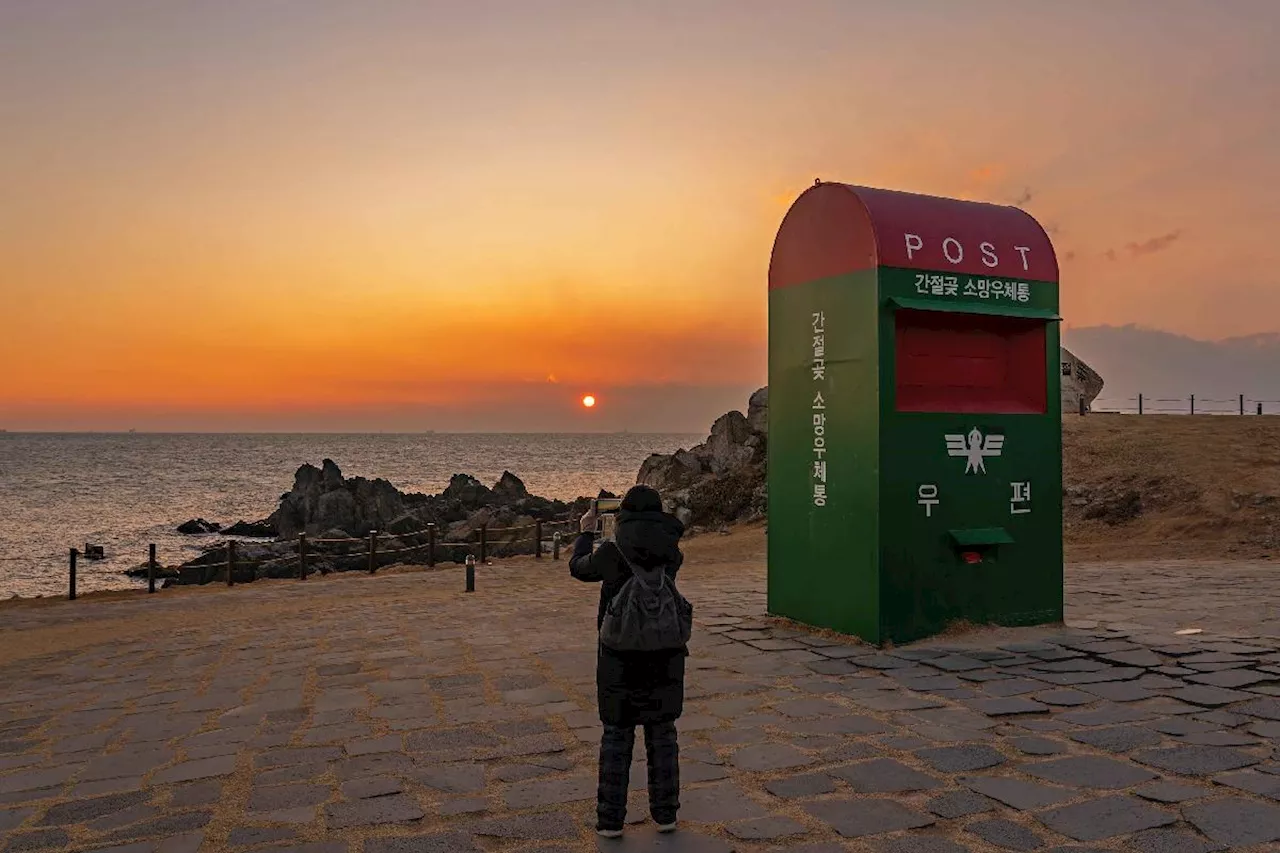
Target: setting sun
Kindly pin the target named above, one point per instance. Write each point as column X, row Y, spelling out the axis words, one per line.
column 588, row 401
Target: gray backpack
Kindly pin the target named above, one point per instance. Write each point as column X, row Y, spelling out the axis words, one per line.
column 647, row 615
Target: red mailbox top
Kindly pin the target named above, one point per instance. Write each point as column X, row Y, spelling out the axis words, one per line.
column 833, row 229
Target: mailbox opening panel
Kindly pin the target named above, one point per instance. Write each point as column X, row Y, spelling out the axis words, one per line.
column 915, row 474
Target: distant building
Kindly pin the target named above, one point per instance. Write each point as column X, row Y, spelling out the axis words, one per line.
column 1079, row 382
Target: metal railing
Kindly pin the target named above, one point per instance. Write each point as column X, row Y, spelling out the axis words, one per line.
column 1188, row 405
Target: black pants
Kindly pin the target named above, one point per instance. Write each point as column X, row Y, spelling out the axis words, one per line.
column 663, row 754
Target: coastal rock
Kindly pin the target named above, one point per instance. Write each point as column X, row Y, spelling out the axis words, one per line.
column 509, row 489
column 197, row 526
column 467, row 491
column 758, row 411
column 726, row 448
column 262, row 529
column 323, row 499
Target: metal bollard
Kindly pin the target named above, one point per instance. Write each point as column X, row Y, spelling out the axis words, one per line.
column 1082, row 406
column 71, row 592
column 151, row 569
column 471, row 573
column 302, row 556
column 555, row 546
column 231, row 562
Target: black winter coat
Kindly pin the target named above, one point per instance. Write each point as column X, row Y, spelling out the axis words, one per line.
column 634, row 688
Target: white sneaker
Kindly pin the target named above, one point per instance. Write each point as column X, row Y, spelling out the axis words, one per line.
column 667, row 827
column 609, row 833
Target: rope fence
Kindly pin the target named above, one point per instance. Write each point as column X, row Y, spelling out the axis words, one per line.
column 1188, row 405
column 225, row 564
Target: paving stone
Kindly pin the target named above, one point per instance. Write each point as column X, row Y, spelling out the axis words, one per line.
column 82, row 811
column 769, row 756
column 1106, row 715
column 368, row 746
column 1181, row 726
column 545, row 792
column 1206, row 695
column 1232, row 678
column 123, row 817
column 1008, row 706
column 438, row 842
column 1065, row 697
column 1166, row 791
column 1133, row 657
column 1195, row 760
column 1235, row 821
column 462, row 805
column 919, row 844
column 648, row 840
column 1262, row 784
column 13, row 818
column 397, row 808
column 719, row 803
column 1030, row 745
column 1170, row 841
column 806, row 785
column 35, row 780
column 1118, row 691
column 867, row 816
column 40, row 839
column 1012, row 687
column 246, row 836
column 204, row 793
column 172, row 824
column 1218, row 738
column 1118, row 738
column 959, row 803
column 950, row 717
column 292, row 773
column 372, row 786
column 1106, row 817
column 545, row 826
column 956, row 663
column 1266, row 709
column 1089, row 771
column 888, row 701
column 884, row 775
column 766, row 828
column 845, row 724
column 278, row 797
column 881, row 662
column 1005, row 834
column 452, row 778
column 190, row 771
column 1018, row 793
column 957, row 759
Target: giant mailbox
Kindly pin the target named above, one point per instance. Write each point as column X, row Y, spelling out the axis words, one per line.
column 915, row 438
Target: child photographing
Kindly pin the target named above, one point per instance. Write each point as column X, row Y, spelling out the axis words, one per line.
column 643, row 624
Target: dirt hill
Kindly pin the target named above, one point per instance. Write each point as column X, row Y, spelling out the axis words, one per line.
column 1171, row 486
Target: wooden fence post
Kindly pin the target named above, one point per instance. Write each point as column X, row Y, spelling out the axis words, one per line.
column 302, row 556
column 231, row 562
column 1193, row 404
column 484, row 543
column 1139, row 403
column 555, row 546
column 1259, row 408
column 71, row 579
column 537, row 540
column 471, row 573
column 1242, row 404
column 151, row 568
column 431, row 546
column 373, row 551
column 1082, row 406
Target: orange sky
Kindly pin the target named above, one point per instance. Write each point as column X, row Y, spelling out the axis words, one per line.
column 315, row 215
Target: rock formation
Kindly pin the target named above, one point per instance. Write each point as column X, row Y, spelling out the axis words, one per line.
column 1079, row 382
column 197, row 526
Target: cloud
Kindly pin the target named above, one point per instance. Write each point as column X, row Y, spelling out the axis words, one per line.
column 1155, row 244
column 1146, row 247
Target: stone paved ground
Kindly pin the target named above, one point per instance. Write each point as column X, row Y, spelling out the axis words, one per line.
column 398, row 714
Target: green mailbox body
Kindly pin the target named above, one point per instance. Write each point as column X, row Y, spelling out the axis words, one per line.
column 915, row 436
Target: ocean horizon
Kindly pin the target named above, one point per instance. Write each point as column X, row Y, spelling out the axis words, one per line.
column 126, row 490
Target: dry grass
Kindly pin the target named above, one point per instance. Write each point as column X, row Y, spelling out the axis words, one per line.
column 1171, row 486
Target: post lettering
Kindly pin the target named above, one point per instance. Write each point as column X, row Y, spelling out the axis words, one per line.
column 989, row 255
column 959, row 250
